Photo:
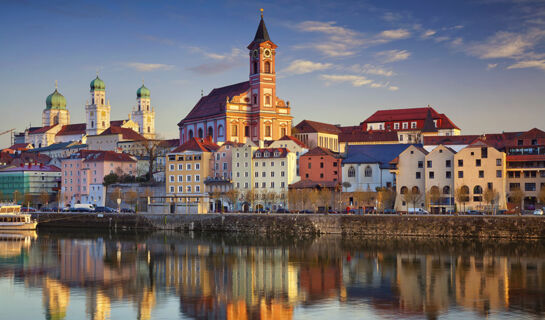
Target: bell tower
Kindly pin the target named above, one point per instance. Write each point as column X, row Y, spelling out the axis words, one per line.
column 98, row 111
column 144, row 113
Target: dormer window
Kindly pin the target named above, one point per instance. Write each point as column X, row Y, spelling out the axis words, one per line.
column 266, row 155
column 258, row 155
column 276, row 154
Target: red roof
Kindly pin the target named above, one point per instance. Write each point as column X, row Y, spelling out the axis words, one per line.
column 283, row 152
column 197, row 144
column 37, row 130
column 127, row 133
column 308, row 126
column 72, row 129
column 410, row 114
column 526, row 157
column 117, row 123
column 27, row 157
column 369, row 136
column 214, row 103
column 294, row 139
column 319, row 151
column 100, row 156
column 20, row 146
column 32, row 167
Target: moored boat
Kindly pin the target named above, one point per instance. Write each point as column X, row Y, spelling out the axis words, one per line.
column 11, row 218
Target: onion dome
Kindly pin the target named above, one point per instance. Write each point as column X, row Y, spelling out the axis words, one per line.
column 142, row 92
column 55, row 101
column 97, row 84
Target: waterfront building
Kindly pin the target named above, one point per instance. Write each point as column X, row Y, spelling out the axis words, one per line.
column 30, row 178
column 242, row 166
column 354, row 136
column 321, row 165
column 367, row 167
column 245, row 111
column 144, row 114
column 60, row 150
column 293, row 145
column 318, row 134
column 110, row 139
column 410, row 178
column 479, row 167
column 187, row 167
column 439, row 180
column 83, row 175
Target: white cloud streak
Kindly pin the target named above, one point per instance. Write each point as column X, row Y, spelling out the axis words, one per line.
column 147, row 67
column 355, row 81
column 300, row 66
column 539, row 64
column 394, row 34
column 393, row 55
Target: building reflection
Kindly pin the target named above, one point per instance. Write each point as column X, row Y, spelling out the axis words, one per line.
column 239, row 281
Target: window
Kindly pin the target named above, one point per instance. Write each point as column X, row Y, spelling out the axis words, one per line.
column 246, row 131
column 460, row 174
column 282, row 173
column 498, row 162
column 256, row 174
column 460, row 163
column 413, row 125
column 484, row 152
column 254, row 97
column 188, row 188
column 197, row 188
column 267, row 67
column 396, row 126
column 310, row 165
column 428, row 163
column 405, row 125
column 197, row 166
column 188, row 178
column 220, row 131
column 188, row 166
column 197, row 178
column 171, row 189
column 171, row 167
column 272, row 184
column 514, row 186
column 530, row 187
column 180, row 167
column 264, row 185
column 448, row 174
column 418, row 175
column 368, row 171
column 498, row 174
column 181, row 189
column 420, row 164
column 477, row 162
column 267, row 130
column 447, row 163
column 282, row 185
column 351, row 172
column 272, row 174
column 180, row 178
column 481, row 173
column 234, row 130
column 267, row 100
column 431, row 174
column 255, row 68
column 171, row 178
column 263, row 174
column 446, row 190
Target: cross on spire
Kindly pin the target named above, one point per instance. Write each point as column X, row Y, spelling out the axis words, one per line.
column 56, row 86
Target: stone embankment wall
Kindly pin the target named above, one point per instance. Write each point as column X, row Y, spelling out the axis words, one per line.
column 511, row 227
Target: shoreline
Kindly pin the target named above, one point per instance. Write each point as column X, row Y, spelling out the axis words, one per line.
column 304, row 225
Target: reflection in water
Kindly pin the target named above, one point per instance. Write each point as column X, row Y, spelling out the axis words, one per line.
column 226, row 277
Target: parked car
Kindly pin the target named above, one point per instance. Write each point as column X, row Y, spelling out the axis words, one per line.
column 28, row 209
column 83, row 207
column 282, row 210
column 105, row 209
column 474, row 213
column 538, row 212
column 389, row 211
column 127, row 210
column 417, row 211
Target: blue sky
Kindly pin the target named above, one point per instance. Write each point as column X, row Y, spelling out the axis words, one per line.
column 481, row 62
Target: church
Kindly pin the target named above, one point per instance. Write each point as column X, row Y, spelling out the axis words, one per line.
column 245, row 111
column 56, row 126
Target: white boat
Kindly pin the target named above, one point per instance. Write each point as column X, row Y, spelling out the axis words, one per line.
column 11, row 218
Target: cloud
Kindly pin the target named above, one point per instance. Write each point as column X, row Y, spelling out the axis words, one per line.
column 339, row 42
column 305, row 66
column 539, row 64
column 394, row 34
column 146, row 67
column 393, row 55
column 457, row 42
column 355, row 81
column 428, row 33
column 371, row 69
column 491, row 66
column 222, row 61
column 502, row 45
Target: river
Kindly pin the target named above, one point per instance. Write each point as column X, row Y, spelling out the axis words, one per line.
column 70, row 274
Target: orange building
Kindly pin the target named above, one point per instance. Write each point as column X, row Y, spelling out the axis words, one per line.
column 244, row 111
column 320, row 165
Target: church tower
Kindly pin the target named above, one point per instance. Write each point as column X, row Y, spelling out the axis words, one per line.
column 262, row 70
column 98, row 111
column 55, row 111
column 144, row 114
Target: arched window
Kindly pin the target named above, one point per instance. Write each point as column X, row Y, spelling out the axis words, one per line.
column 267, row 67
column 93, row 100
column 404, row 190
column 103, row 124
column 255, row 67
column 368, row 171
column 477, row 194
column 148, row 108
column 255, row 99
column 200, row 133
column 351, row 172
column 190, row 134
column 102, row 101
column 149, row 129
column 477, row 190
column 220, row 131
column 415, row 190
column 446, row 190
column 210, row 132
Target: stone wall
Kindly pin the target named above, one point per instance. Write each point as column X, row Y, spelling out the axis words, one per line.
column 510, row 227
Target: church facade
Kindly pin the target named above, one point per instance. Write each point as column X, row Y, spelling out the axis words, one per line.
column 56, row 126
column 246, row 111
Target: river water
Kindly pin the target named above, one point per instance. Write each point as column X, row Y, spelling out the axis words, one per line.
column 70, row 274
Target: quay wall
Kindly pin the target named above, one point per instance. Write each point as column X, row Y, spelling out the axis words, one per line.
column 510, row 227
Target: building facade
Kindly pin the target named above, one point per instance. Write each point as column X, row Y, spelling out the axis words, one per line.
column 31, row 178
column 439, row 177
column 410, row 178
column 144, row 113
column 242, row 166
column 320, row 165
column 318, row 134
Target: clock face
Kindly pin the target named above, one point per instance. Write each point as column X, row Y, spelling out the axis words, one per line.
column 255, row 53
column 267, row 53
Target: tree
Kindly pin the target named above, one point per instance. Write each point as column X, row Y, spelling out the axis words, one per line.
column 232, row 197
column 114, row 195
column 414, row 197
column 152, row 150
column 516, row 196
column 249, row 196
column 27, row 199
column 294, row 198
column 110, row 179
column 491, row 197
column 16, row 196
column 270, row 198
column 461, row 195
column 311, row 197
column 216, row 196
column 130, row 197
column 44, row 198
column 541, row 196
column 385, row 199
column 433, row 197
column 325, row 198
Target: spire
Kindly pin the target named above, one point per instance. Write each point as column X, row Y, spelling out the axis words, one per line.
column 429, row 125
column 56, row 85
column 261, row 34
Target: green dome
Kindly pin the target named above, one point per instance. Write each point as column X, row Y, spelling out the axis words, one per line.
column 142, row 92
column 97, row 84
column 55, row 101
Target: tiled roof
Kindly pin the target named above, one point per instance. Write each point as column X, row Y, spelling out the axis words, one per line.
column 319, row 151
column 429, row 126
column 449, row 140
column 54, row 146
column 526, row 157
column 37, row 130
column 306, row 184
column 410, row 114
column 214, row 103
column 261, row 35
column 532, row 134
column 27, row 157
column 378, row 153
column 20, row 146
column 197, row 144
column 31, row 167
column 100, row 156
column 308, row 126
column 369, row 136
column 127, row 133
column 294, row 139
column 72, row 129
column 260, row 153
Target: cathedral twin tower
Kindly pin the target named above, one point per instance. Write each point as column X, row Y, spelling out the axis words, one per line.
column 97, row 113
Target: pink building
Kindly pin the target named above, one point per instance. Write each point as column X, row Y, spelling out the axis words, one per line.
column 83, row 174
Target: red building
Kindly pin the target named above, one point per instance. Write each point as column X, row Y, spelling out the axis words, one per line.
column 319, row 167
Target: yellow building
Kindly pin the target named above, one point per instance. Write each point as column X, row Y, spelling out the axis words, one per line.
column 410, row 178
column 440, row 179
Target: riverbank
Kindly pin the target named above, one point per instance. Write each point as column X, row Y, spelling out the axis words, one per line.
column 508, row 227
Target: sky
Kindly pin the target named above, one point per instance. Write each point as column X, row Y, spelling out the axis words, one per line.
column 481, row 62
